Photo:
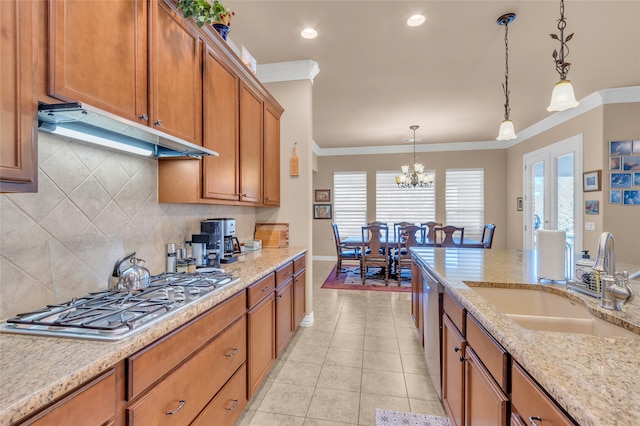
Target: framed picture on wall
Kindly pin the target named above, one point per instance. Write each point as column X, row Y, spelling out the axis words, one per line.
column 592, row 207
column 620, row 180
column 631, row 163
column 631, row 197
column 322, row 211
column 620, row 147
column 615, row 163
column 323, row 195
column 636, row 179
column 592, row 180
column 615, row 196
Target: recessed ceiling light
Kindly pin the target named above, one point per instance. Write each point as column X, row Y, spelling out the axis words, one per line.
column 309, row 33
column 416, row 20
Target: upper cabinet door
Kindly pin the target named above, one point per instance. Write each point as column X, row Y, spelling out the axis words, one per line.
column 250, row 146
column 175, row 53
column 271, row 155
column 220, row 125
column 98, row 54
column 18, row 145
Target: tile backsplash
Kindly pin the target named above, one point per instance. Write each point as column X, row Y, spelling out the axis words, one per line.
column 92, row 206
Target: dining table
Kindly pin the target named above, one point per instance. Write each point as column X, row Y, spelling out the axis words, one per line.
column 353, row 242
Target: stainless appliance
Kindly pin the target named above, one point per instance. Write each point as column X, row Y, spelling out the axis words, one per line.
column 432, row 320
column 114, row 315
column 228, row 231
column 212, row 228
column 134, row 277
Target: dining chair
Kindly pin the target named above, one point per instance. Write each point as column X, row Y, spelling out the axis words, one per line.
column 411, row 236
column 431, row 234
column 449, row 232
column 487, row 235
column 375, row 250
column 343, row 253
column 396, row 229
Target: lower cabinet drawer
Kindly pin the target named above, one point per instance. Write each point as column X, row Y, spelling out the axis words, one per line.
column 529, row 401
column 227, row 406
column 494, row 357
column 179, row 398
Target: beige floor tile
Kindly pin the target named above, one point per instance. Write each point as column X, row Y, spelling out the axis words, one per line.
column 308, row 353
column 420, row 386
column 387, row 361
column 380, row 330
column 347, row 341
column 299, row 373
column 325, row 325
column 414, row 363
column 260, row 393
column 334, row 405
column 312, row 336
column 407, row 332
column 350, row 328
column 245, row 418
column 283, row 398
column 380, row 344
column 316, row 422
column 272, row 419
column 432, row 407
column 369, row 403
column 357, row 317
column 344, row 357
column 410, row 345
column 341, row 378
column 389, row 383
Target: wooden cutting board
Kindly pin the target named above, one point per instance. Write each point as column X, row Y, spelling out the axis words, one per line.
column 272, row 235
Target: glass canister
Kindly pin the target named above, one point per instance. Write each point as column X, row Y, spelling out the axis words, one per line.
column 181, row 265
column 191, row 265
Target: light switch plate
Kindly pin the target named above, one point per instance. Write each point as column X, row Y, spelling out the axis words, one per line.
column 589, row 226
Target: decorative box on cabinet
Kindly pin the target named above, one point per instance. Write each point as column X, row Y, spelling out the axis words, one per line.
column 260, row 331
column 18, row 137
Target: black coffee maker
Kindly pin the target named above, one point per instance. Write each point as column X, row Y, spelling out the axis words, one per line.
column 211, row 233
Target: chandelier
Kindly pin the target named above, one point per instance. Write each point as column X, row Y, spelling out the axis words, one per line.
column 506, row 132
column 412, row 176
column 562, row 97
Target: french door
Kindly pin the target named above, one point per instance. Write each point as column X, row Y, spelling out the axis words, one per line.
column 553, row 191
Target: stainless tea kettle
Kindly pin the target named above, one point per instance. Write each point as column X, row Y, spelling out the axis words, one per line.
column 134, row 277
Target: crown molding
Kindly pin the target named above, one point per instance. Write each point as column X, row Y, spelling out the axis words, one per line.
column 618, row 95
column 287, row 71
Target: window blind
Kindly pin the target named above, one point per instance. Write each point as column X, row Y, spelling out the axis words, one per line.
column 394, row 205
column 465, row 200
column 350, row 202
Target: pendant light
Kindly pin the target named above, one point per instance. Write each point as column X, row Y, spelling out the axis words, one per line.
column 506, row 131
column 562, row 97
column 412, row 175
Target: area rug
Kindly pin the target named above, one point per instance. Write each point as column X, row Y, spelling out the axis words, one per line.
column 350, row 279
column 396, row 418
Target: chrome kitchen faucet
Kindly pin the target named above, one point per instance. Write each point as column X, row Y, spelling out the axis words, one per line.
column 614, row 295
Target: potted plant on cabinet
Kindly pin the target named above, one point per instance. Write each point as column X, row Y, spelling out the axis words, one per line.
column 212, row 12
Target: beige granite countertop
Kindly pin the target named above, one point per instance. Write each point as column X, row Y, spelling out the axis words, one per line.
column 36, row 370
column 595, row 379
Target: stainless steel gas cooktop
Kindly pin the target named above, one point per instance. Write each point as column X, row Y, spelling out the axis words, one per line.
column 114, row 315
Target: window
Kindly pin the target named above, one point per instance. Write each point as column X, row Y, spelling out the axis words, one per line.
column 350, row 202
column 465, row 200
column 393, row 204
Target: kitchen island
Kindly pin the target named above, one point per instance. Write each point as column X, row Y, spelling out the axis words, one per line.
column 593, row 378
column 36, row 370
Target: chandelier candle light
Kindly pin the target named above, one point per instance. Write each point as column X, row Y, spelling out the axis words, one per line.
column 412, row 176
column 562, row 97
column 506, row 131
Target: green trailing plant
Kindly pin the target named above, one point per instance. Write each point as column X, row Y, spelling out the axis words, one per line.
column 206, row 11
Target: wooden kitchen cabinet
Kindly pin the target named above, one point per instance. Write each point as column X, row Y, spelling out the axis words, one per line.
column 221, row 84
column 175, row 82
column 284, row 315
column 453, row 349
column 250, row 145
column 299, row 289
column 271, row 155
column 485, row 402
column 228, row 404
column 18, row 94
column 260, row 331
column 94, row 404
column 417, row 297
column 98, row 54
column 529, row 400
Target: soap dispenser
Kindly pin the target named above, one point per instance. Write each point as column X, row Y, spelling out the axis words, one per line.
column 585, row 275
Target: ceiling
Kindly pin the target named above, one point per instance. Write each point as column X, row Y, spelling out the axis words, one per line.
column 378, row 76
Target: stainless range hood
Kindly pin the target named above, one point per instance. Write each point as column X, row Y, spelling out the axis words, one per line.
column 90, row 124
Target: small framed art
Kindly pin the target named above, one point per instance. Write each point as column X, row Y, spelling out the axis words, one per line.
column 323, row 195
column 592, row 207
column 615, row 196
column 592, row 180
column 322, row 211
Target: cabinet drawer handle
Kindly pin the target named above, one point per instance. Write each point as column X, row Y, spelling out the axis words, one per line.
column 265, row 289
column 182, row 402
column 232, row 353
column 532, row 420
column 457, row 349
column 158, row 122
column 235, row 404
column 279, row 297
column 143, row 117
